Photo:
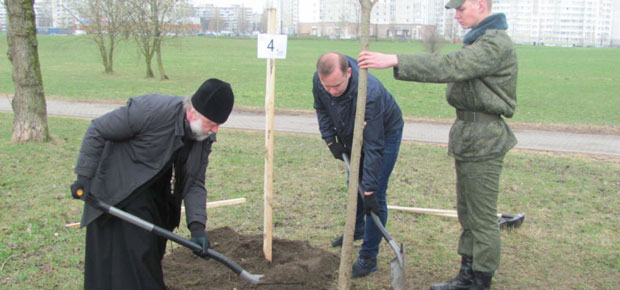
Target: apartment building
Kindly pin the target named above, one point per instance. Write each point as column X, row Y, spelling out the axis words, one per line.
column 3, row 22
column 56, row 14
column 558, row 22
column 63, row 13
column 309, row 11
column 228, row 20
column 406, row 19
column 403, row 19
column 288, row 14
column 615, row 28
column 536, row 22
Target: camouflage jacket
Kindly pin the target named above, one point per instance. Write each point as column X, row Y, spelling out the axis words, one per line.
column 481, row 77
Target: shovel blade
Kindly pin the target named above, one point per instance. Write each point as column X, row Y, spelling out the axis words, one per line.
column 511, row 222
column 398, row 275
column 252, row 278
column 397, row 266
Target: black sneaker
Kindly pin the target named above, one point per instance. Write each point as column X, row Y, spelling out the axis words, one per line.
column 363, row 267
column 356, row 236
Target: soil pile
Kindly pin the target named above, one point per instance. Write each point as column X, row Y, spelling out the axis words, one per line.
column 296, row 264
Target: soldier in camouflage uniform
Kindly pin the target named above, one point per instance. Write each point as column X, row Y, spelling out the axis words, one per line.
column 482, row 81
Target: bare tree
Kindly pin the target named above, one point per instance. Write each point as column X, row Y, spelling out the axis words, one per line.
column 29, row 107
column 106, row 21
column 242, row 21
column 344, row 281
column 150, row 21
column 263, row 21
column 43, row 16
column 179, row 20
column 216, row 23
column 432, row 39
column 141, row 30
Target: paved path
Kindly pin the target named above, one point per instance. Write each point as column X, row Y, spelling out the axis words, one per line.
column 414, row 131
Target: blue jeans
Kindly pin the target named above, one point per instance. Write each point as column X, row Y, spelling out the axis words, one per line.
column 372, row 235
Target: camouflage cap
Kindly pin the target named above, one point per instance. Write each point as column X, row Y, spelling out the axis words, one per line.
column 454, row 4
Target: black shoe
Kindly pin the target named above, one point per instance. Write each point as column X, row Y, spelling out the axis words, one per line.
column 482, row 280
column 463, row 281
column 356, row 236
column 363, row 267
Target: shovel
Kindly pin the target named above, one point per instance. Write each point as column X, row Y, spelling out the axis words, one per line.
column 100, row 205
column 397, row 265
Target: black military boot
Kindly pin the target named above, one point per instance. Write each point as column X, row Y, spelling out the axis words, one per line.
column 463, row 281
column 482, row 280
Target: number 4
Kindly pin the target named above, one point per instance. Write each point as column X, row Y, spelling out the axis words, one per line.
column 270, row 45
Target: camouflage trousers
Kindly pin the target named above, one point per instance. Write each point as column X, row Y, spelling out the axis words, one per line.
column 477, row 188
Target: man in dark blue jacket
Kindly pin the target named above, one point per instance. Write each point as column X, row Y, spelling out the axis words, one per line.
column 335, row 97
column 145, row 158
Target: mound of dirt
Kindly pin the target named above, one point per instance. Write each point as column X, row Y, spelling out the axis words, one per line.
column 296, row 264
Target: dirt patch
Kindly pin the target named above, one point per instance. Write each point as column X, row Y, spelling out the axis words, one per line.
column 296, row 264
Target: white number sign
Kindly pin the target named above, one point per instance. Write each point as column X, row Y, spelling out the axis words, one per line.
column 271, row 46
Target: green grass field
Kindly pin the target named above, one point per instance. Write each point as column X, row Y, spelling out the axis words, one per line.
column 570, row 238
column 556, row 85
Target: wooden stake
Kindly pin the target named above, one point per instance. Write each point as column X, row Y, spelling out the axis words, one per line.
column 225, row 202
column 72, row 225
column 269, row 144
column 433, row 211
column 209, row 205
column 344, row 278
column 222, row 203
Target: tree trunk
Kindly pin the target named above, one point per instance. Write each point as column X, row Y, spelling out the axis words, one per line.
column 148, row 58
column 160, row 63
column 151, row 20
column 344, row 281
column 103, row 52
column 29, row 107
column 110, row 67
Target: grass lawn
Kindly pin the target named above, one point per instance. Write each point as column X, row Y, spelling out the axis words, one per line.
column 574, row 86
column 570, row 238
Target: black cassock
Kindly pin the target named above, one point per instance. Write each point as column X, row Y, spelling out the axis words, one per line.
column 120, row 255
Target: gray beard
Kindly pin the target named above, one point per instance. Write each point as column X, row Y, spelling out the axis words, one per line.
column 198, row 134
